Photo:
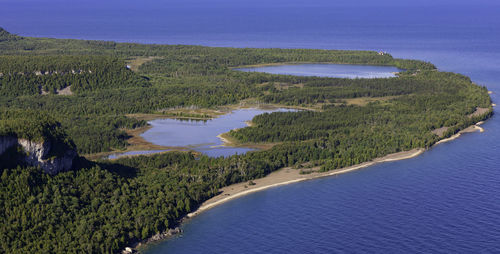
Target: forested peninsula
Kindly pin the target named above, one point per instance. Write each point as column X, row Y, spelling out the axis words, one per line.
column 63, row 101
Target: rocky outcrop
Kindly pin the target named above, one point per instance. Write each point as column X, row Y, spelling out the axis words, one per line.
column 166, row 234
column 128, row 250
column 58, row 164
column 36, row 154
column 158, row 237
column 35, row 151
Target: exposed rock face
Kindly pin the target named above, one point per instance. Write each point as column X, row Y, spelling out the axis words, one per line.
column 58, row 164
column 36, row 154
column 35, row 151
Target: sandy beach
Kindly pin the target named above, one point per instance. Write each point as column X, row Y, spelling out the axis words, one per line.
column 280, row 177
column 288, row 176
column 472, row 128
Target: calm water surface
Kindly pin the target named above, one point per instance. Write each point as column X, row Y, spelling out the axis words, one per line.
column 444, row 201
column 328, row 70
column 201, row 136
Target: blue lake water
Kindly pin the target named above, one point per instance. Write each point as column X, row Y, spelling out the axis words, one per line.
column 444, row 201
column 327, row 70
column 201, row 136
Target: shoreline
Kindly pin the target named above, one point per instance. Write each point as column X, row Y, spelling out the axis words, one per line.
column 230, row 142
column 472, row 128
column 276, row 179
column 281, row 177
column 137, row 143
column 289, row 175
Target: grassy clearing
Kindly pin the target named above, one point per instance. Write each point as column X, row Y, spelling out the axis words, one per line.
column 134, row 63
column 362, row 101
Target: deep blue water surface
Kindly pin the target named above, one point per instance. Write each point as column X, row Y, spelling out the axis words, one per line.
column 444, row 201
column 327, row 70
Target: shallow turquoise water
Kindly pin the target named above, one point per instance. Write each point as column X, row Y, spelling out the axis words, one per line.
column 328, row 70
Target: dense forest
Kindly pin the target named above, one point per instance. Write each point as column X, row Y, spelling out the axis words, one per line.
column 105, row 206
column 78, row 94
column 31, row 75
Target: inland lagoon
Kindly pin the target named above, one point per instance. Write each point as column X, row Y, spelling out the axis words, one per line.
column 204, row 135
column 200, row 135
column 327, row 70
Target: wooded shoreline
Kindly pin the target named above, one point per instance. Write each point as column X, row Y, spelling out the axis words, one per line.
column 104, row 205
column 287, row 176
